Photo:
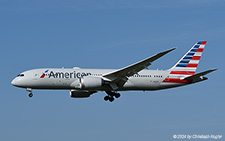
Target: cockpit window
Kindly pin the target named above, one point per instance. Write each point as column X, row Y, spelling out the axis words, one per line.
column 20, row 75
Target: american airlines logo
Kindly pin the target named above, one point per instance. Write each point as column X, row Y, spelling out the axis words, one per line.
column 72, row 74
column 43, row 75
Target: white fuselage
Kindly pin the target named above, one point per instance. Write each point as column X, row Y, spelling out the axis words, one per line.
column 62, row 78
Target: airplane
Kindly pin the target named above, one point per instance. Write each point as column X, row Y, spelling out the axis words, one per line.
column 137, row 77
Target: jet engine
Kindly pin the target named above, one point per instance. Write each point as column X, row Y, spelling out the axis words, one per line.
column 88, row 83
column 91, row 82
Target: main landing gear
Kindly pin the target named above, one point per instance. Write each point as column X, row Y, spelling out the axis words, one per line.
column 110, row 96
column 30, row 90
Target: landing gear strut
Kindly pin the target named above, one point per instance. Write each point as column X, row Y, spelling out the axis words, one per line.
column 111, row 95
column 30, row 90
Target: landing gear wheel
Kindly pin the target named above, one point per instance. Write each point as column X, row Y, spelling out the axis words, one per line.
column 117, row 95
column 111, row 99
column 30, row 95
column 106, row 98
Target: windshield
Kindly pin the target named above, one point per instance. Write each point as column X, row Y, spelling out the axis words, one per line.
column 20, row 75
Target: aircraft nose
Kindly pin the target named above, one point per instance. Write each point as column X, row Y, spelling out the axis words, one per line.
column 13, row 82
column 19, row 82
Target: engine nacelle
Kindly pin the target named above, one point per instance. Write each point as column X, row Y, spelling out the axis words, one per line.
column 91, row 82
column 80, row 94
column 88, row 83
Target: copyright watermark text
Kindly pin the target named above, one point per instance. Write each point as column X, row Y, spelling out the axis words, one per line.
column 194, row 136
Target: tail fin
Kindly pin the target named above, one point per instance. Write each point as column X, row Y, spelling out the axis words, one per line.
column 188, row 64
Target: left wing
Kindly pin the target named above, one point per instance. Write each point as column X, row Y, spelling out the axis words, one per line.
column 119, row 77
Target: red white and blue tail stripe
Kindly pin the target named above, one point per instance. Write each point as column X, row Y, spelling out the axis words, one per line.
column 187, row 65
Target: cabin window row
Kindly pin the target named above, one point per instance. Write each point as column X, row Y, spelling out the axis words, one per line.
column 159, row 76
column 97, row 74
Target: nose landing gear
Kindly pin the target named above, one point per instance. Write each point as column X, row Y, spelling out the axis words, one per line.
column 111, row 96
column 30, row 95
column 30, row 90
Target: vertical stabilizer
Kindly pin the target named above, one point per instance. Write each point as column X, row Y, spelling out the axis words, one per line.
column 188, row 64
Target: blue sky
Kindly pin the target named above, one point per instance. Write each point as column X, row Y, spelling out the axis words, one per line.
column 110, row 34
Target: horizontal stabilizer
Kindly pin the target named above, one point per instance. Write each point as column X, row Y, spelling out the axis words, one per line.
column 198, row 75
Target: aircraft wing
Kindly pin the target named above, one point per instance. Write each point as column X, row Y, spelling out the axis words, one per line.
column 119, row 77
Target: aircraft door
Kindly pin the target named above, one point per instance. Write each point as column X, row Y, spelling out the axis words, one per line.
column 35, row 76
